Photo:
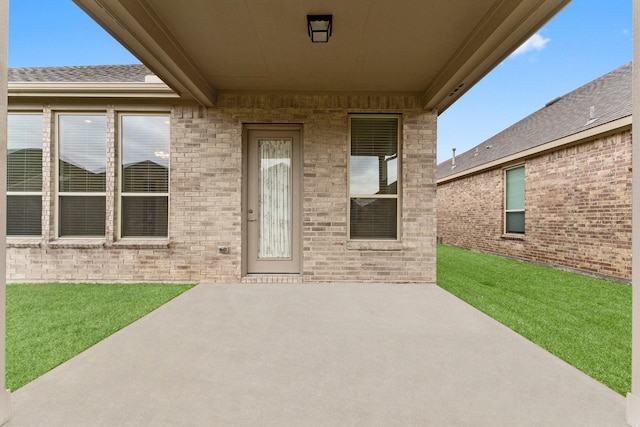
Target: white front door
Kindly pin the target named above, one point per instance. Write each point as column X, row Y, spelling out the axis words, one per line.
column 273, row 201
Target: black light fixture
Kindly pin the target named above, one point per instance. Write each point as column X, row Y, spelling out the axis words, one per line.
column 319, row 27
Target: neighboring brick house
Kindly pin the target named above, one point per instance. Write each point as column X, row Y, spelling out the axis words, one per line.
column 554, row 188
column 265, row 157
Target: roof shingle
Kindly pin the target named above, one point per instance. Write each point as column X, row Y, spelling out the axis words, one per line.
column 78, row 74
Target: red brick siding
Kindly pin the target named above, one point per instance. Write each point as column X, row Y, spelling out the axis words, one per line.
column 578, row 209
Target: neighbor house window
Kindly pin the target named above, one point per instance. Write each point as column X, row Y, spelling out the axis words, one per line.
column 144, row 175
column 374, row 172
column 514, row 200
column 82, row 164
column 24, row 174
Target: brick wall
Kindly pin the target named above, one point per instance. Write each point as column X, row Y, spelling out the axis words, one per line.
column 578, row 209
column 206, row 175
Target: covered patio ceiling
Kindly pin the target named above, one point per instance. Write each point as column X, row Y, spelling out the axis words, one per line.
column 436, row 49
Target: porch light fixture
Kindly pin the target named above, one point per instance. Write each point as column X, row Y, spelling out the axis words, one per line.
column 319, row 27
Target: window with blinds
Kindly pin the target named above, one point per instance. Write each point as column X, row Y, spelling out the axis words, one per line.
column 144, row 210
column 374, row 172
column 514, row 201
column 24, row 174
column 82, row 165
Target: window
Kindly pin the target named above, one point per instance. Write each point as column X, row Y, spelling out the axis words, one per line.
column 24, row 174
column 145, row 175
column 374, row 172
column 514, row 201
column 82, row 164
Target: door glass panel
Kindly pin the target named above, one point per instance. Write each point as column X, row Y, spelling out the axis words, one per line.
column 274, row 198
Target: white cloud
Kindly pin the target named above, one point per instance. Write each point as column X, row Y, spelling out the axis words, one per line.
column 536, row 42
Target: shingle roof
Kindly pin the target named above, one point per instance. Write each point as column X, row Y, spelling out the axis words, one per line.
column 89, row 74
column 609, row 95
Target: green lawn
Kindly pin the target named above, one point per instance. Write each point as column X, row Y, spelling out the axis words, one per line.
column 582, row 320
column 48, row 324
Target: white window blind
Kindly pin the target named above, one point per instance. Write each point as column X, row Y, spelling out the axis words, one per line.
column 24, row 215
column 145, row 175
column 82, row 164
column 24, row 174
column 82, row 153
column 82, row 216
column 374, row 177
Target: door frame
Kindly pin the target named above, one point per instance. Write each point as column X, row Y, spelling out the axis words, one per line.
column 297, row 194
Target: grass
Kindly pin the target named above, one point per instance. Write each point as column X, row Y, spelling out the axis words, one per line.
column 48, row 324
column 583, row 320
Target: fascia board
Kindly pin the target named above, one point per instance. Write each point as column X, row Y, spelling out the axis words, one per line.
column 91, row 90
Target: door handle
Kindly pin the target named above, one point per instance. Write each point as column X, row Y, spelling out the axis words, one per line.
column 251, row 218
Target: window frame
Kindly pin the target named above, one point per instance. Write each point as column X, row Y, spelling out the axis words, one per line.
column 121, row 194
column 508, row 211
column 397, row 196
column 58, row 194
column 28, row 193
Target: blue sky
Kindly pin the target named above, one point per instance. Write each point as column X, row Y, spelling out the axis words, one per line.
column 584, row 41
column 44, row 33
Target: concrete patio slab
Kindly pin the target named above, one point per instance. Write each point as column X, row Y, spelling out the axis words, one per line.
column 316, row 355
